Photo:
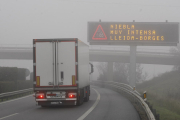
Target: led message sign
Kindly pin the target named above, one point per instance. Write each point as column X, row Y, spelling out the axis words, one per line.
column 125, row 33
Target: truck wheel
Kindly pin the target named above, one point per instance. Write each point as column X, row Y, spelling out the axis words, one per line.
column 80, row 101
column 43, row 106
column 86, row 99
column 81, row 98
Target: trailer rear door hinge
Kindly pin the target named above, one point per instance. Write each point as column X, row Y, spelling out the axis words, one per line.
column 76, row 44
column 34, row 82
column 76, row 63
column 34, row 64
column 34, row 45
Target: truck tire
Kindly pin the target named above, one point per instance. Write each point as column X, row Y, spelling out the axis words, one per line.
column 86, row 99
column 80, row 101
column 81, row 97
column 43, row 106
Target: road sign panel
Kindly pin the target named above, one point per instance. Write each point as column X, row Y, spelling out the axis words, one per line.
column 137, row 33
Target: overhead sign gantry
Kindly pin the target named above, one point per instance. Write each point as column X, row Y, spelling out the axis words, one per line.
column 137, row 33
column 133, row 34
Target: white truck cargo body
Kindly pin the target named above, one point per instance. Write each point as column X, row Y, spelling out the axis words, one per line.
column 61, row 71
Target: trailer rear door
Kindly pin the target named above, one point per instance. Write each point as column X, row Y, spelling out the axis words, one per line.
column 66, row 63
column 44, row 63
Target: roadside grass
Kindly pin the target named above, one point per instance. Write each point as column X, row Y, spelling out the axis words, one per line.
column 166, row 109
column 166, row 114
column 163, row 92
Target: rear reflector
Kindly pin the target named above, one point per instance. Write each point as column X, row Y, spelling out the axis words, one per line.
column 73, row 80
column 37, row 80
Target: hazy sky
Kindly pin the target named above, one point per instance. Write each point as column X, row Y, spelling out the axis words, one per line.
column 23, row 20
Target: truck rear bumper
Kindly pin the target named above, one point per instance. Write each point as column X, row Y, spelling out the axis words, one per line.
column 57, row 102
column 66, row 99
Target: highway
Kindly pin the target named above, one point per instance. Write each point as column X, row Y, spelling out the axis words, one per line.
column 110, row 106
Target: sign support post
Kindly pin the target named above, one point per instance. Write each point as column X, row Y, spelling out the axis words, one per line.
column 132, row 77
column 110, row 71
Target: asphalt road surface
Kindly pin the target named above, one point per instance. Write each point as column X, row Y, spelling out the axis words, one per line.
column 110, row 106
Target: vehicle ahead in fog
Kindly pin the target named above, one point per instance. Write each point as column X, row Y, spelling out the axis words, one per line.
column 61, row 71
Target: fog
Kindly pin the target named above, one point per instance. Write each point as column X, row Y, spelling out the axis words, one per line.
column 21, row 21
column 117, row 89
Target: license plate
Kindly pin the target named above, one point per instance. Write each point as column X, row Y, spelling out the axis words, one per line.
column 58, row 96
column 54, row 103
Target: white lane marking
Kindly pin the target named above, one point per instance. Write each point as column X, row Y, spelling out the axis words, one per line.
column 90, row 109
column 15, row 99
column 9, row 116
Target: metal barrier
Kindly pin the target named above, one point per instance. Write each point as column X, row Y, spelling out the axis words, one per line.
column 130, row 91
column 14, row 93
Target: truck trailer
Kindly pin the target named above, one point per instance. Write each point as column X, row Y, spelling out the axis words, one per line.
column 61, row 71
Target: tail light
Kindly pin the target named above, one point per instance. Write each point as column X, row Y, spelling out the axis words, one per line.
column 72, row 95
column 40, row 96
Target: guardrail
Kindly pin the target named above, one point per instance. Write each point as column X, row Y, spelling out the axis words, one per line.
column 14, row 93
column 125, row 86
column 131, row 94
